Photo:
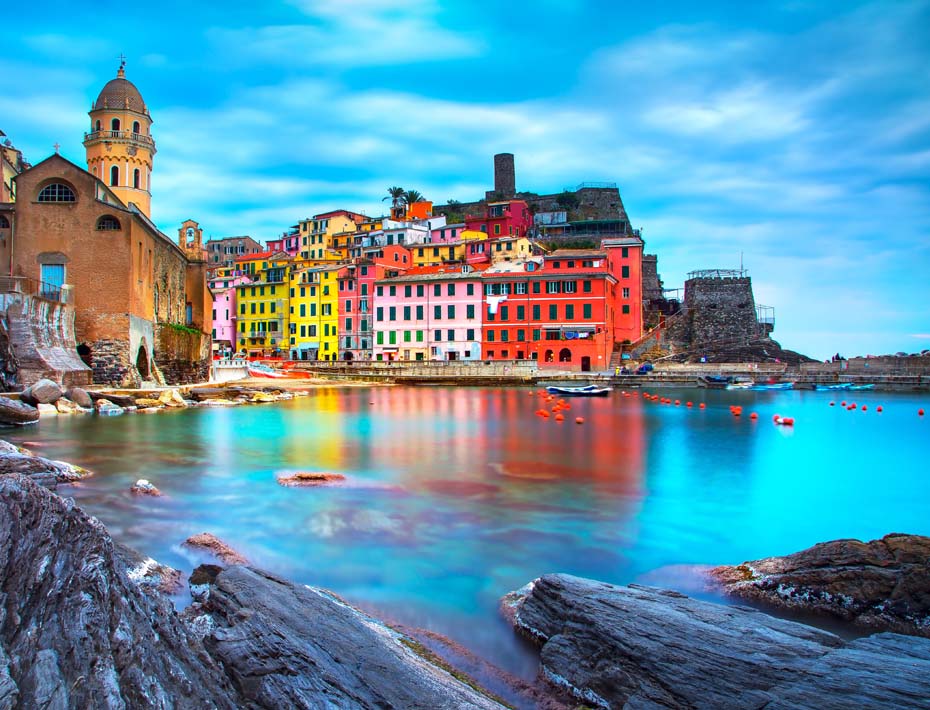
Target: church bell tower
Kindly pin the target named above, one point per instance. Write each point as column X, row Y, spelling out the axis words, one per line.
column 119, row 145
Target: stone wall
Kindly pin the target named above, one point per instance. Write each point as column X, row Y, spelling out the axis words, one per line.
column 39, row 337
column 110, row 361
column 721, row 311
column 182, row 356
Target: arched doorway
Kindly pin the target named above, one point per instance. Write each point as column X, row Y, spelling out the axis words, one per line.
column 84, row 352
column 565, row 355
column 348, row 356
column 550, row 357
column 142, row 362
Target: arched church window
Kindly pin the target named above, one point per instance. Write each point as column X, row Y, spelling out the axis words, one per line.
column 56, row 192
column 4, row 222
column 114, row 175
column 108, row 223
column 136, row 178
column 136, row 127
column 114, row 124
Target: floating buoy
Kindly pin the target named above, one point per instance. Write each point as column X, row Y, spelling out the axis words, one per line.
column 753, row 416
column 689, row 404
column 702, row 405
column 787, row 421
column 737, row 412
column 776, row 417
column 677, row 402
column 878, row 408
column 832, row 404
column 851, row 406
column 579, row 420
column 920, row 412
column 531, row 393
column 542, row 413
column 864, row 407
column 566, row 406
column 843, row 403
column 559, row 417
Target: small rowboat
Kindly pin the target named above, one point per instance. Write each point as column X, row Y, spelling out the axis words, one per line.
column 586, row 391
column 257, row 369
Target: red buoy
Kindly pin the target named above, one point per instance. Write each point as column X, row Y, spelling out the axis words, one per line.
column 843, row 403
column 689, row 404
column 775, row 418
column 579, row 420
column 920, row 412
column 702, row 405
column 753, row 416
column 878, row 408
column 864, row 407
column 787, row 421
column 559, row 417
column 677, row 402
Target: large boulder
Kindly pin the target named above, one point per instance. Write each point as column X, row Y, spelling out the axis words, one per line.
column 639, row 647
column 294, row 646
column 879, row 585
column 43, row 471
column 80, row 397
column 17, row 413
column 42, row 392
column 75, row 630
column 120, row 400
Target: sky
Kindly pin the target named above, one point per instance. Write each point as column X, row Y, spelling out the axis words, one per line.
column 791, row 135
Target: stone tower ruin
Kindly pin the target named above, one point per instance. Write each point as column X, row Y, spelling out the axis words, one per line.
column 505, row 177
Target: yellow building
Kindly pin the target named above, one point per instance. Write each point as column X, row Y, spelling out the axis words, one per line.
column 318, row 241
column 314, row 313
column 263, row 305
column 510, row 249
column 120, row 146
column 443, row 252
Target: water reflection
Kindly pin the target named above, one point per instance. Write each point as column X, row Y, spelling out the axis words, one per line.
column 455, row 496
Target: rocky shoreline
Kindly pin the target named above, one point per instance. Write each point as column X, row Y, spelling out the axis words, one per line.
column 86, row 622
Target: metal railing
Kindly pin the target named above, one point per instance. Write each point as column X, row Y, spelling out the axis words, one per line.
column 119, row 135
column 33, row 287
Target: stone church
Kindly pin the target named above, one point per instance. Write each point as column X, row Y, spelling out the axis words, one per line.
column 85, row 238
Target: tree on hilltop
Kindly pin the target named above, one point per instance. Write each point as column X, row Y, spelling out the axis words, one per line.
column 411, row 196
column 395, row 195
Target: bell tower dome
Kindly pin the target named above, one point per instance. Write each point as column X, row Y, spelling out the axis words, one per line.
column 119, row 145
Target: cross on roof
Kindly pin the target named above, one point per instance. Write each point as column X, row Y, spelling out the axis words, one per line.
column 122, row 60
column 57, row 146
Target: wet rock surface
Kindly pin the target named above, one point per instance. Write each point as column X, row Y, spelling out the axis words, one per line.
column 143, row 487
column 879, row 585
column 208, row 542
column 640, row 647
column 289, row 646
column 75, row 630
column 310, row 478
column 79, row 396
column 120, row 400
column 45, row 472
column 13, row 412
column 42, row 392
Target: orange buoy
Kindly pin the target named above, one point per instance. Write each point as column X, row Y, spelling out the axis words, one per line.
column 560, row 417
column 753, row 415
column 541, row 412
column 737, row 412
column 579, row 420
column 702, row 406
column 689, row 404
column 851, row 406
column 787, row 421
column 677, row 402
column 566, row 406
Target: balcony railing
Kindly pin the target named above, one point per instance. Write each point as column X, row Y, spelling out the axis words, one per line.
column 32, row 287
column 119, row 135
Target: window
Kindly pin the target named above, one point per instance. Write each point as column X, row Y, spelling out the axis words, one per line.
column 364, row 289
column 535, row 334
column 392, row 337
column 97, row 126
column 624, row 252
column 536, row 314
column 504, row 312
column 348, row 324
column 470, row 334
column 450, row 289
column 408, row 291
column 490, row 337
column 114, row 124
column 519, row 287
column 392, row 290
column 625, row 292
column 469, row 311
column 303, row 310
column 586, row 311
column 450, row 335
column 625, row 309
column 536, row 287
column 625, row 272
column 420, row 290
column 569, row 311
column 490, row 316
column 419, row 312
column 348, row 308
column 521, row 312
column 437, row 312
column 136, row 178
column 586, row 286
column 556, row 264
column 571, row 265
column 568, row 287
column 521, row 335
column 437, row 336
column 553, row 312
column 379, row 337
column 407, row 336
column 273, row 305
column 56, row 192
column 488, row 289
column 136, row 127
column 392, row 313
column 552, row 287
column 108, row 223
column 379, row 290
column 505, row 336
column 437, row 290
column 114, row 175
column 470, row 289
column 242, row 309
column 406, row 312
column 53, row 277
column 497, row 230
column 419, row 336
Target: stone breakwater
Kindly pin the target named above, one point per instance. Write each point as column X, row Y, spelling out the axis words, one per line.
column 46, row 398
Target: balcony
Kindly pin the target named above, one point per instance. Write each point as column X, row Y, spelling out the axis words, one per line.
column 128, row 136
column 32, row 287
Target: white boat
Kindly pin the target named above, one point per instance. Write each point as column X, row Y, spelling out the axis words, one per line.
column 586, row 391
column 258, row 369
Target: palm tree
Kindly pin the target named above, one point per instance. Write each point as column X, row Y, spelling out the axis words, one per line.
column 411, row 196
column 395, row 195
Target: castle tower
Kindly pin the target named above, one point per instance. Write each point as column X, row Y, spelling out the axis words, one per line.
column 119, row 145
column 505, row 179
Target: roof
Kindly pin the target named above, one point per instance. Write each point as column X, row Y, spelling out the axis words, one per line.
column 577, row 254
column 120, row 93
column 440, row 272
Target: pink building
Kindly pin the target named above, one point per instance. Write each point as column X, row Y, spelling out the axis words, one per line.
column 511, row 218
column 429, row 313
column 223, row 286
column 289, row 242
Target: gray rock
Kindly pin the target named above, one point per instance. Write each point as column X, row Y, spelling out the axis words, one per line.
column 17, row 413
column 79, row 632
column 880, row 585
column 105, row 407
column 638, row 647
column 120, row 400
column 80, row 397
column 42, row 392
column 291, row 646
column 45, row 472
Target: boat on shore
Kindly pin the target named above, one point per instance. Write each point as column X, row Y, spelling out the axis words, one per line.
column 844, row 386
column 586, row 391
column 258, row 369
column 715, row 382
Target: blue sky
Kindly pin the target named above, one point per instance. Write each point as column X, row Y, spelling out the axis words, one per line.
column 796, row 133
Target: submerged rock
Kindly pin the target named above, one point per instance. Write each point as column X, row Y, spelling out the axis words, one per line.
column 641, row 647
column 76, row 632
column 17, row 413
column 144, row 488
column 880, row 585
column 309, row 478
column 219, row 549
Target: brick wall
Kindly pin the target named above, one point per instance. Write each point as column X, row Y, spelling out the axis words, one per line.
column 183, row 357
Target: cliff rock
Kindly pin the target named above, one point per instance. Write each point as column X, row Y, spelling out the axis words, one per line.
column 639, row 647
column 880, row 585
column 43, row 471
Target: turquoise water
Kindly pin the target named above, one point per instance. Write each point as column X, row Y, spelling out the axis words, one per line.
column 456, row 496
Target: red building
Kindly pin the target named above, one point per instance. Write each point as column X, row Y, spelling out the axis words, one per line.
column 511, row 218
column 356, row 297
column 625, row 262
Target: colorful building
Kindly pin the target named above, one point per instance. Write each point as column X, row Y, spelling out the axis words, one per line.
column 625, row 255
column 429, row 313
column 317, row 233
column 314, row 315
column 510, row 218
column 223, row 284
column 223, row 252
column 262, row 317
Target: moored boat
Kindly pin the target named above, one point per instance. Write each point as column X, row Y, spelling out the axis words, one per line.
column 715, row 382
column 586, row 391
column 258, row 369
column 833, row 387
